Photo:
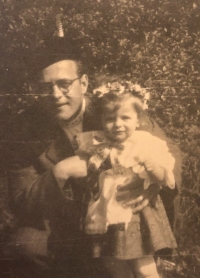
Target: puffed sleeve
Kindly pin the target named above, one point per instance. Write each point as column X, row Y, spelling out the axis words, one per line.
column 161, row 155
column 149, row 125
column 149, row 146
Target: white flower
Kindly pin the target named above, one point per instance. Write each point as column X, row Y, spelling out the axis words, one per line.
column 100, row 91
column 147, row 95
column 145, row 105
column 119, row 89
column 116, row 86
column 194, row 5
column 135, row 87
column 106, row 88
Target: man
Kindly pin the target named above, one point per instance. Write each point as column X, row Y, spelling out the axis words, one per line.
column 46, row 193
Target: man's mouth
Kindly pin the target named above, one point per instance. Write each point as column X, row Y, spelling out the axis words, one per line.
column 61, row 104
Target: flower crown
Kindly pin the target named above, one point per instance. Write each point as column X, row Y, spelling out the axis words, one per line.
column 121, row 88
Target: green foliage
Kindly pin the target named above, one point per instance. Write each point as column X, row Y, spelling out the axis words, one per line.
column 156, row 42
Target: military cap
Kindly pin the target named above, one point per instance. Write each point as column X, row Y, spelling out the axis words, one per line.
column 57, row 48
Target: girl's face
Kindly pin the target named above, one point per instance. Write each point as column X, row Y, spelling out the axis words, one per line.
column 120, row 124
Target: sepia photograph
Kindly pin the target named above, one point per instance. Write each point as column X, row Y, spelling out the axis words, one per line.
column 99, row 139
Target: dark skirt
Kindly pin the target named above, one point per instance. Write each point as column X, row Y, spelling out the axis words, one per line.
column 147, row 232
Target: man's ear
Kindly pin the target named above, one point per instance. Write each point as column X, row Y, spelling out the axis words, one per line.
column 84, row 83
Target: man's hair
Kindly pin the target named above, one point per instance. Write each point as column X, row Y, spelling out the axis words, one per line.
column 81, row 67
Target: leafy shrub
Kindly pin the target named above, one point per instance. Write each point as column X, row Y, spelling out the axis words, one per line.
column 154, row 41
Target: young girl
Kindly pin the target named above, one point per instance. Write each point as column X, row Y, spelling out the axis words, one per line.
column 122, row 155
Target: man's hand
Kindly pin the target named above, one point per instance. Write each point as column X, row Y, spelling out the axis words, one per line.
column 70, row 167
column 136, row 198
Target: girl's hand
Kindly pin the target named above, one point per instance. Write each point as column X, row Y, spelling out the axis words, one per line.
column 70, row 167
column 149, row 164
column 152, row 167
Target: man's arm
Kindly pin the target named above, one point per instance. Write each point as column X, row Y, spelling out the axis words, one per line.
column 31, row 186
column 31, row 192
column 35, row 191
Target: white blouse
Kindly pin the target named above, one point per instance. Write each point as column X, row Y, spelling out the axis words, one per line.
column 125, row 164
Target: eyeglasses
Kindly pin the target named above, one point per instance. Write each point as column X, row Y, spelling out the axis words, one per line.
column 65, row 85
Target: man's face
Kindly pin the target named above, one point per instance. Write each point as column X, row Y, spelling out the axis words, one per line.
column 121, row 123
column 64, row 87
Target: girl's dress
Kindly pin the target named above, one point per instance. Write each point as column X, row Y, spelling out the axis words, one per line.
column 117, row 231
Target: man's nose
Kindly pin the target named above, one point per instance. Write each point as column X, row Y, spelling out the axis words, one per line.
column 56, row 92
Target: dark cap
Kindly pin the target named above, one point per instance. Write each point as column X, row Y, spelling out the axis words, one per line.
column 57, row 49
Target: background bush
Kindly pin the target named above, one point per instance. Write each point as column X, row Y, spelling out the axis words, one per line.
column 155, row 41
